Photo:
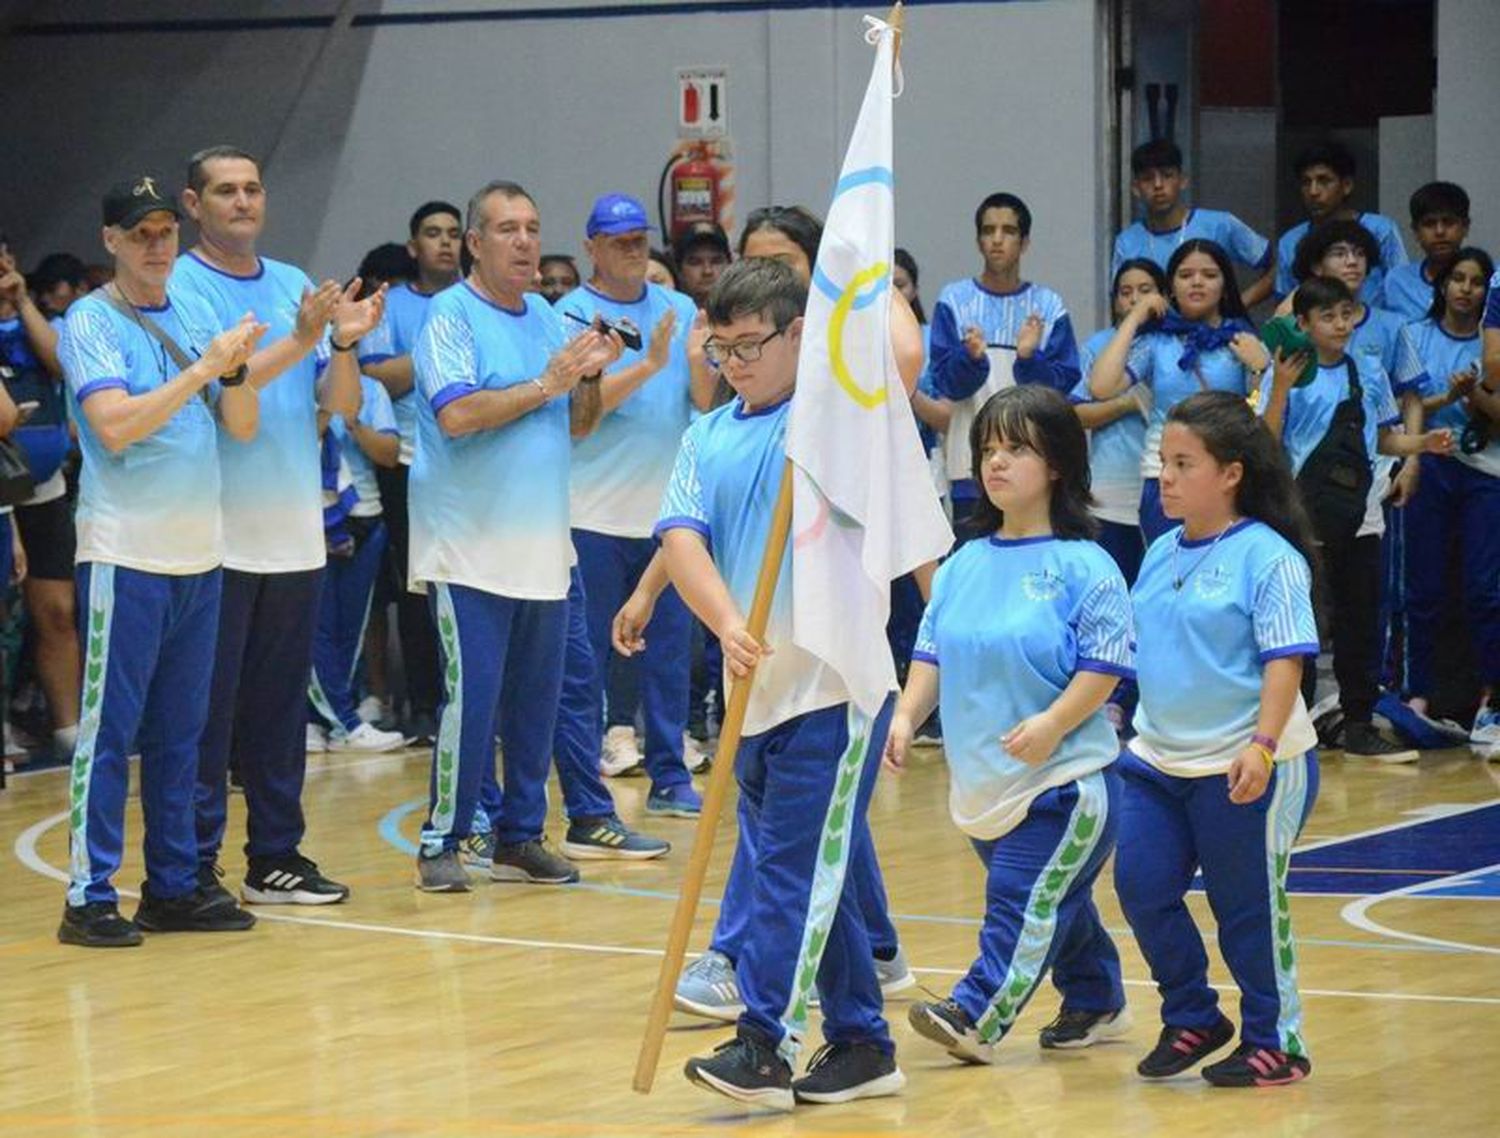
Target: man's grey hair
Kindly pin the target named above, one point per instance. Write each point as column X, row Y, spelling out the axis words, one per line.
column 757, row 286
column 474, row 216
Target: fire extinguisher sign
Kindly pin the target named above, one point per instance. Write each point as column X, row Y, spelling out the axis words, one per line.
column 702, row 105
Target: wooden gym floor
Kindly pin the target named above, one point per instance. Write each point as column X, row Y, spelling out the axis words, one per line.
column 517, row 1010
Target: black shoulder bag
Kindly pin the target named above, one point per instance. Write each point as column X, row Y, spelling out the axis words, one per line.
column 1335, row 480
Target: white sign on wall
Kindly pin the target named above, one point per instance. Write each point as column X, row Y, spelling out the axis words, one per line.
column 702, row 105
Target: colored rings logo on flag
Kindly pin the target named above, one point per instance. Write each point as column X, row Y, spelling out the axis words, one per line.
column 867, row 285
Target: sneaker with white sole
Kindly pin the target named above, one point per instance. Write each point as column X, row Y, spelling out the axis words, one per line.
column 477, row 851
column 709, row 988
column 1075, row 1028
column 621, row 756
column 609, row 839
column 366, row 738
column 533, row 863
column 895, row 975
column 289, row 880
column 1484, row 736
column 949, row 1026
column 697, row 757
column 1363, row 741
column 845, row 1071
column 317, row 739
column 444, row 873
column 746, row 1069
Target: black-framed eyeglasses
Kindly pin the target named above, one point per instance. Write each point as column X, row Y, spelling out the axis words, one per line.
column 746, row 351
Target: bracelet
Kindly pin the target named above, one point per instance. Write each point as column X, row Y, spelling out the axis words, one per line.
column 1265, row 741
column 338, row 347
column 542, row 387
column 235, row 377
column 1265, row 754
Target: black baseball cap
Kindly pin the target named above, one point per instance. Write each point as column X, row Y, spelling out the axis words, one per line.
column 701, row 233
column 126, row 203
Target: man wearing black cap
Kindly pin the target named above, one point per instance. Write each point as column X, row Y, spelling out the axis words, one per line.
column 701, row 253
column 149, row 374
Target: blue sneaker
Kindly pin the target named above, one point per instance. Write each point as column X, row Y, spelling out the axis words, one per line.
column 1418, row 730
column 708, row 987
column 680, row 801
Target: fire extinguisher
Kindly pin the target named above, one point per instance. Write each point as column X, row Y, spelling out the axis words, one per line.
column 701, row 187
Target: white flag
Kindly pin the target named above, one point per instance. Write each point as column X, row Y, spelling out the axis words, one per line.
column 864, row 510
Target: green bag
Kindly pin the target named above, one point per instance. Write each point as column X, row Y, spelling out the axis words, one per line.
column 1281, row 332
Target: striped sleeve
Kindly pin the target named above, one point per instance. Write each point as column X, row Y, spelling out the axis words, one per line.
column 1105, row 632
column 445, row 360
column 683, row 505
column 90, row 352
column 1407, row 371
column 1284, row 624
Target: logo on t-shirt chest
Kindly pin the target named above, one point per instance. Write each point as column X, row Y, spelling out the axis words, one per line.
column 1214, row 583
column 1042, row 585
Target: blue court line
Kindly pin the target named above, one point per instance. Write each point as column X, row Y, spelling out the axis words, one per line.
column 390, row 832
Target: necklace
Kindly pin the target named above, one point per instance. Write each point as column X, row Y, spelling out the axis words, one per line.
column 1178, row 579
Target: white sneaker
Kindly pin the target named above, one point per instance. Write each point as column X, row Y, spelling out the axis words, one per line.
column 1484, row 736
column 317, row 739
column 694, row 755
column 372, row 710
column 621, row 755
column 368, row 738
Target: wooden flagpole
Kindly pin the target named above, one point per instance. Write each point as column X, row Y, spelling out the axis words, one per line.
column 713, row 798
column 723, row 769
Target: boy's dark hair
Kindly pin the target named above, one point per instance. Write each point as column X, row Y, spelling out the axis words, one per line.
column 757, row 286
column 197, row 176
column 1472, row 253
column 1158, row 154
column 55, row 269
column 386, row 264
column 562, row 258
column 1324, row 236
column 796, row 223
column 1231, row 304
column 909, row 263
column 1320, row 292
column 1045, row 421
column 1439, row 197
column 664, row 258
column 1231, row 432
column 1004, row 201
column 1326, row 152
column 427, row 209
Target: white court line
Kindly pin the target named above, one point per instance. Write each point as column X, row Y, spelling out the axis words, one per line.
column 323, row 766
column 1357, row 912
column 1394, row 826
column 26, row 853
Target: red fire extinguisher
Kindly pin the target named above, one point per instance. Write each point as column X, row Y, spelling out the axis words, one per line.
column 701, row 187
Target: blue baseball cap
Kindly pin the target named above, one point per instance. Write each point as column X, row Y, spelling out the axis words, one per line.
column 617, row 213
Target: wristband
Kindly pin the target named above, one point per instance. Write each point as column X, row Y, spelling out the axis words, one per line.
column 338, row 347
column 542, row 387
column 1265, row 754
column 1265, row 741
column 235, row 377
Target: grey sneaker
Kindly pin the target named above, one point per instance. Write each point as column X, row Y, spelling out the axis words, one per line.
column 709, row 988
column 533, row 863
column 895, row 975
column 442, row 874
column 477, row 851
column 600, row 839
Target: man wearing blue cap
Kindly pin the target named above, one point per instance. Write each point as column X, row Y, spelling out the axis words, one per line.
column 618, row 476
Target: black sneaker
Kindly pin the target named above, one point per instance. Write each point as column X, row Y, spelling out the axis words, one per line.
column 600, row 839
column 533, row 863
column 289, row 880
column 1364, row 741
column 1252, row 1066
column 1074, row 1028
column 199, row 912
column 97, row 924
column 949, row 1026
column 421, row 729
column 209, row 875
column 843, row 1072
column 746, row 1069
column 1179, row 1048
